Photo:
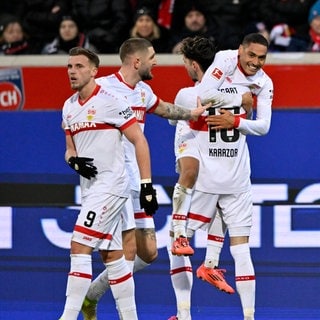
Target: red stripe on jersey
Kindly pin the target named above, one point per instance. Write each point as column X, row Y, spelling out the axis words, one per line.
column 140, row 113
column 88, row 126
column 176, row 216
column 212, row 237
column 151, row 110
column 80, row 275
column 92, row 233
column 198, row 217
column 181, row 269
column 124, row 278
column 128, row 124
column 199, row 125
column 67, row 132
column 141, row 215
column 245, row 278
column 237, row 119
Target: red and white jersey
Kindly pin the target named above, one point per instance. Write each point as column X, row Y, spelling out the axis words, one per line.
column 225, row 75
column 224, row 155
column 95, row 126
column 142, row 100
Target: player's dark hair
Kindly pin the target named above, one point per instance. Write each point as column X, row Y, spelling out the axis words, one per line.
column 200, row 49
column 133, row 45
column 255, row 38
column 93, row 57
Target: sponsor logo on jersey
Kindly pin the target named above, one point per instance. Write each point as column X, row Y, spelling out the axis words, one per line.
column 82, row 125
column 217, row 73
column 126, row 113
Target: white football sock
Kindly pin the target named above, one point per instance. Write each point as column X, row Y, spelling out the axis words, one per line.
column 122, row 287
column 181, row 201
column 79, row 280
column 182, row 280
column 216, row 233
column 245, row 278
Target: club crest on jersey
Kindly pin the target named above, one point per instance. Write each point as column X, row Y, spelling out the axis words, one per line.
column 143, row 96
column 182, row 146
column 217, row 73
column 91, row 113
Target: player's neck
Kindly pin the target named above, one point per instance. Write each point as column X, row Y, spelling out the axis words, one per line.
column 87, row 91
column 129, row 77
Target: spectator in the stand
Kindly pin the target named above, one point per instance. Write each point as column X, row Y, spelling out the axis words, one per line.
column 9, row 6
column 287, row 22
column 314, row 31
column 106, row 22
column 40, row 19
column 146, row 27
column 195, row 24
column 13, row 40
column 163, row 10
column 70, row 36
column 231, row 19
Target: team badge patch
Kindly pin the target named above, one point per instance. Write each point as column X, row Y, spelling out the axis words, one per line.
column 217, row 73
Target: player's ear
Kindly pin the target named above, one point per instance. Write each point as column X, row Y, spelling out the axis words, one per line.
column 195, row 65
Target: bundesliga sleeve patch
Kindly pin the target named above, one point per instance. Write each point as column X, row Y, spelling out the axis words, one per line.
column 217, row 73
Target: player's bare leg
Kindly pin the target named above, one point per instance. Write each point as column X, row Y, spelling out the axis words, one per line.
column 147, row 250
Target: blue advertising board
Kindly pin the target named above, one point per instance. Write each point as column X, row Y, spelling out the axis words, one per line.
column 34, row 238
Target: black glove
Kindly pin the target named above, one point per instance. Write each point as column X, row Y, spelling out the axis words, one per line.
column 83, row 166
column 148, row 199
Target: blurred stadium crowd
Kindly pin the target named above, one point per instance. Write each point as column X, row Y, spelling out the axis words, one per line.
column 55, row 26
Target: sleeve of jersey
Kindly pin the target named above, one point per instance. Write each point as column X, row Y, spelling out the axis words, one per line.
column 261, row 124
column 65, row 126
column 152, row 101
column 128, row 124
column 213, row 79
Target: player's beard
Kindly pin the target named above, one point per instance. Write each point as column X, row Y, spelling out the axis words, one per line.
column 146, row 75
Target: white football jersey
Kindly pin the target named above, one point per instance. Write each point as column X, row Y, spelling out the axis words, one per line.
column 224, row 155
column 95, row 127
column 142, row 101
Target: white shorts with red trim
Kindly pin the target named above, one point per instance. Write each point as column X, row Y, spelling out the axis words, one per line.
column 185, row 144
column 99, row 223
column 133, row 216
column 235, row 209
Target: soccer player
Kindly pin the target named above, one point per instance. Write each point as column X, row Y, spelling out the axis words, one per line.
column 94, row 120
column 224, row 167
column 139, row 239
